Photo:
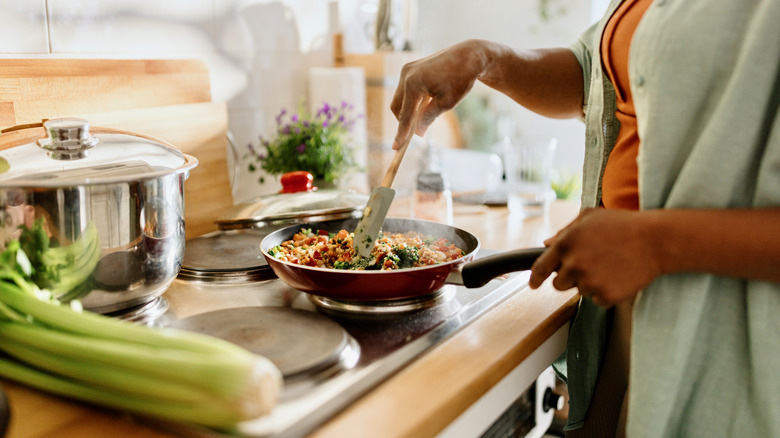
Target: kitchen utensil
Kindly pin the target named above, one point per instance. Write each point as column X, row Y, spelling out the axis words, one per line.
column 401, row 283
column 197, row 129
column 382, row 36
column 382, row 196
column 169, row 99
column 118, row 190
column 232, row 253
column 298, row 202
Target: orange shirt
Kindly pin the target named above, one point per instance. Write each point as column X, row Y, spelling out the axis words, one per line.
column 619, row 186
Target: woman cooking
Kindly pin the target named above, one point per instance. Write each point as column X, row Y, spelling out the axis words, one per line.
column 676, row 251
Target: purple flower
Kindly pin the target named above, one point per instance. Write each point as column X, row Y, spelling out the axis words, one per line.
column 322, row 110
column 294, row 117
column 279, row 117
column 301, row 148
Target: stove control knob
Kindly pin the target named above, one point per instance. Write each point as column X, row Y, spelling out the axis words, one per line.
column 551, row 400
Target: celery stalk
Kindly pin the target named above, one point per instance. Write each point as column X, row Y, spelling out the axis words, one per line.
column 9, row 313
column 166, row 373
column 117, row 379
column 223, row 374
column 216, row 415
column 91, row 324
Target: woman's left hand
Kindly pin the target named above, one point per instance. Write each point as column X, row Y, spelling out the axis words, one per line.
column 609, row 255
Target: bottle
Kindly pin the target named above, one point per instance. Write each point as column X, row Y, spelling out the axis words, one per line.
column 432, row 199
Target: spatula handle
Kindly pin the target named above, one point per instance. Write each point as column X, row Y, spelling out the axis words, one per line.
column 387, row 181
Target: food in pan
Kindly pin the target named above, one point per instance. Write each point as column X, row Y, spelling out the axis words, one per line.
column 392, row 250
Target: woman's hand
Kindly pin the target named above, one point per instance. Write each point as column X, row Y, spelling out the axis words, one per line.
column 609, row 255
column 446, row 77
column 546, row 81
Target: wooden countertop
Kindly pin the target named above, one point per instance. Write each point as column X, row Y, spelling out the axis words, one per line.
column 422, row 399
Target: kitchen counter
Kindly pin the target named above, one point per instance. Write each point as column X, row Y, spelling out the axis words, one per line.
column 420, row 400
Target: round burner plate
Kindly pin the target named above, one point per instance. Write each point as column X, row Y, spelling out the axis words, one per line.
column 224, row 251
column 385, row 306
column 145, row 313
column 296, row 341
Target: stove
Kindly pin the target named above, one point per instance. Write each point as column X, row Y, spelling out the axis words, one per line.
column 330, row 352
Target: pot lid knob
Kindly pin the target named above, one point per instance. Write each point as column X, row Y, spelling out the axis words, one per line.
column 297, row 181
column 68, row 139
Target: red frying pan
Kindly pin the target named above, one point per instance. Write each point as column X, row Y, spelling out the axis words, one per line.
column 401, row 283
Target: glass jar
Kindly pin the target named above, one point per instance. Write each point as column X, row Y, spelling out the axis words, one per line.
column 432, row 198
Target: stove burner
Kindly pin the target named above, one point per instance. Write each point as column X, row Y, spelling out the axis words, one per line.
column 146, row 313
column 300, row 343
column 225, row 256
column 347, row 354
column 386, row 306
column 242, row 276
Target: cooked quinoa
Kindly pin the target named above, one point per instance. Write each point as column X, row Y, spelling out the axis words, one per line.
column 392, row 251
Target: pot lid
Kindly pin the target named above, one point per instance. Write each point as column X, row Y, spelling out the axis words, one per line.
column 71, row 155
column 290, row 207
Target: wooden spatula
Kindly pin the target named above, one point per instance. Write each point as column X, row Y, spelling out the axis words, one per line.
column 374, row 214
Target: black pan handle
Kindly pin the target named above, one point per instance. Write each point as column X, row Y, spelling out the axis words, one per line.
column 484, row 269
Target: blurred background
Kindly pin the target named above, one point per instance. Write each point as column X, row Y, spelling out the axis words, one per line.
column 266, row 56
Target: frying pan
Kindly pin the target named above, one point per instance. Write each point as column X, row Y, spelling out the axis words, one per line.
column 400, row 283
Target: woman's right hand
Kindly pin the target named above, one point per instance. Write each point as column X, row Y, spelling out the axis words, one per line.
column 446, row 77
column 546, row 81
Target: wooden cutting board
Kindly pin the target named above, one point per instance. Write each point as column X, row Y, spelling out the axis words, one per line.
column 35, row 88
column 167, row 99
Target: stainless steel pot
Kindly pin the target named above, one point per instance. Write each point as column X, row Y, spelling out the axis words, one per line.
column 109, row 191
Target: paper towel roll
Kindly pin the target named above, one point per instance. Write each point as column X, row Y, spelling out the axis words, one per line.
column 345, row 84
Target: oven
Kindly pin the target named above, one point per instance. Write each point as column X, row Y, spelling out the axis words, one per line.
column 503, row 412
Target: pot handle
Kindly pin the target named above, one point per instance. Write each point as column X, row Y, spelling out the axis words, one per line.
column 484, row 269
column 21, row 127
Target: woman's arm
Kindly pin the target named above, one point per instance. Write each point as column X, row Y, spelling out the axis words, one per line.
column 611, row 255
column 546, row 81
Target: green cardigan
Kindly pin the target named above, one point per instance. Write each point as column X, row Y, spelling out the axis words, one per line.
column 705, row 78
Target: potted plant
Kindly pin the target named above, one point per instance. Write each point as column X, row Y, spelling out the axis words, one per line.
column 316, row 143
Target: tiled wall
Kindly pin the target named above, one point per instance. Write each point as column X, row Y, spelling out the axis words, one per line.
column 259, row 52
